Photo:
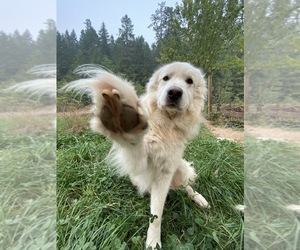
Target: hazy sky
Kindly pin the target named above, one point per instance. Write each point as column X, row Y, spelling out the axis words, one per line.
column 26, row 14
column 72, row 14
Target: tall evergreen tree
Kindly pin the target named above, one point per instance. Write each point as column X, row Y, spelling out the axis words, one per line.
column 21, row 52
column 15, row 58
column 126, row 55
column 67, row 46
column 143, row 65
column 104, row 42
column 88, row 45
column 46, row 45
column 126, row 32
column 124, row 49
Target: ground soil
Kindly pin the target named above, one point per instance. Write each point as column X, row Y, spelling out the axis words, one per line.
column 226, row 133
column 279, row 134
column 259, row 132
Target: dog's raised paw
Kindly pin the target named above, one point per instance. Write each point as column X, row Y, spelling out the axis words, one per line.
column 111, row 110
column 107, row 120
column 128, row 118
column 118, row 116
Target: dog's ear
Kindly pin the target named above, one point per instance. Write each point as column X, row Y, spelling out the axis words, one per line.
column 153, row 82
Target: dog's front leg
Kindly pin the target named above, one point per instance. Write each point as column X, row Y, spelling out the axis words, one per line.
column 159, row 191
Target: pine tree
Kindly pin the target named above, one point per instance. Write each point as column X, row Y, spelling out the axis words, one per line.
column 67, row 47
column 126, row 32
column 45, row 51
column 143, row 61
column 124, row 48
column 88, row 45
column 104, row 42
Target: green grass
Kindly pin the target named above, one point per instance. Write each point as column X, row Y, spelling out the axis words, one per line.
column 99, row 210
column 271, row 183
column 28, row 184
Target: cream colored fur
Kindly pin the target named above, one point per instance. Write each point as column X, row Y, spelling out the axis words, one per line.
column 152, row 156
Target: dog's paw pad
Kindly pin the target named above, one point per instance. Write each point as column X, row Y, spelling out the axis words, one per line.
column 128, row 118
column 106, row 119
column 119, row 117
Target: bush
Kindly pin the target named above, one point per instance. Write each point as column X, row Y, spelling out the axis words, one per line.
column 216, row 118
column 235, row 123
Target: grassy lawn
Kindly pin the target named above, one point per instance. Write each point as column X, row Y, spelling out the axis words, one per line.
column 99, row 210
column 272, row 180
column 27, row 183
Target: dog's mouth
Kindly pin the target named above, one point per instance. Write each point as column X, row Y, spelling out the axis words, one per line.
column 173, row 105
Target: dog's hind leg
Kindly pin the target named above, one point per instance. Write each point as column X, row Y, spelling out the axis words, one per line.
column 195, row 196
column 184, row 176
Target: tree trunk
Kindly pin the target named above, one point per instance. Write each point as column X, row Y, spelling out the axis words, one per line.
column 209, row 93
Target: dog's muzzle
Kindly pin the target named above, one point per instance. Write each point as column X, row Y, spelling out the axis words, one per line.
column 174, row 96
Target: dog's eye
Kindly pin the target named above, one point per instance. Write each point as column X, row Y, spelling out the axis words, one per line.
column 189, row 81
column 166, row 78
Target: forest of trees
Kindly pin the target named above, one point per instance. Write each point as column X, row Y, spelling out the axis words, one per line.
column 128, row 55
column 208, row 34
column 272, row 49
column 19, row 52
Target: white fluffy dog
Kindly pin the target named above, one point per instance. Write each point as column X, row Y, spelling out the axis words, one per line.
column 149, row 134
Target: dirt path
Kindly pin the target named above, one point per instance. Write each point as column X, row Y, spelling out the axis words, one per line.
column 226, row 133
column 236, row 135
column 278, row 134
column 261, row 133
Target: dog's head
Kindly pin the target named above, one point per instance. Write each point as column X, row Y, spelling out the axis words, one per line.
column 177, row 87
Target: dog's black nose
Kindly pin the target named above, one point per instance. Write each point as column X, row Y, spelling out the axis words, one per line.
column 174, row 93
